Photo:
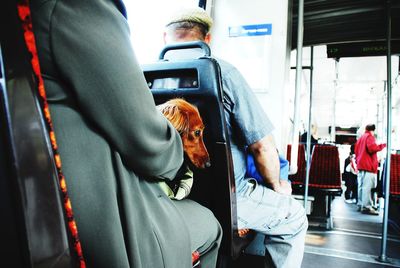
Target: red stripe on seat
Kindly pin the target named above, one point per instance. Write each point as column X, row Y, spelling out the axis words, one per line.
column 24, row 14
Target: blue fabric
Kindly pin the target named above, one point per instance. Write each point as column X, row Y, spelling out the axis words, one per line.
column 252, row 172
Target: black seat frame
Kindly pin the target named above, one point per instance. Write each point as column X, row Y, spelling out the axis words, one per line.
column 214, row 187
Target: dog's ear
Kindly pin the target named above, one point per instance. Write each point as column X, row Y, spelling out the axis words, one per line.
column 177, row 116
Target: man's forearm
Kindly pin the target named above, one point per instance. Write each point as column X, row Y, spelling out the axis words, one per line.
column 266, row 160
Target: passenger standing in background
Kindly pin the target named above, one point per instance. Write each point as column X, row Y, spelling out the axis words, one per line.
column 267, row 210
column 350, row 177
column 367, row 163
column 114, row 144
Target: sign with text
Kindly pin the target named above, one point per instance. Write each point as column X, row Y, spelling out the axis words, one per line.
column 362, row 49
column 250, row 30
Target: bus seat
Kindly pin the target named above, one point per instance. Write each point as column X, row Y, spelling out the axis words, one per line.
column 325, row 181
column 325, row 169
column 394, row 198
column 298, row 179
column 395, row 175
column 198, row 81
column 34, row 225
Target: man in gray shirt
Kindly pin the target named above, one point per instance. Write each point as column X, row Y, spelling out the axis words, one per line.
column 268, row 208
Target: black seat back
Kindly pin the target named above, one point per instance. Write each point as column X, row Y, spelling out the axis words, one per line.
column 34, row 225
column 198, row 82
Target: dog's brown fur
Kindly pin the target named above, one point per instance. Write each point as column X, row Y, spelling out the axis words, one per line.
column 187, row 120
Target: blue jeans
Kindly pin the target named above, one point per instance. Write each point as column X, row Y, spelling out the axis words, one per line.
column 281, row 218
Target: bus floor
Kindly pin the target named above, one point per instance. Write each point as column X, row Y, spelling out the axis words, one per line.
column 353, row 242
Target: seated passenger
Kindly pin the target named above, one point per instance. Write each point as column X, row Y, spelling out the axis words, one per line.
column 115, row 146
column 270, row 211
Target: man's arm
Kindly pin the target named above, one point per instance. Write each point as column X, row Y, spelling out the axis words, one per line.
column 267, row 162
column 372, row 147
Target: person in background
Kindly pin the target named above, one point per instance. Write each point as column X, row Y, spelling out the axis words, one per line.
column 267, row 210
column 366, row 150
column 115, row 146
column 314, row 137
column 350, row 177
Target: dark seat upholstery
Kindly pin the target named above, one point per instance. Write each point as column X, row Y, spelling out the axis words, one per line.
column 198, row 81
column 33, row 229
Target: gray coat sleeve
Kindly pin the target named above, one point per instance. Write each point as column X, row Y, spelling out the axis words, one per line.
column 93, row 53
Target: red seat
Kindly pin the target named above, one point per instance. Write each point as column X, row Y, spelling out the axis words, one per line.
column 395, row 174
column 299, row 177
column 325, row 168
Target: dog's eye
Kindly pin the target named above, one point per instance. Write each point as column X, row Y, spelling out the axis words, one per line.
column 197, row 133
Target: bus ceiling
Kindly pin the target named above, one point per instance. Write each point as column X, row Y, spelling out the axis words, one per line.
column 347, row 21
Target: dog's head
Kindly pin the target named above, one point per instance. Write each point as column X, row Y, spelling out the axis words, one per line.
column 186, row 119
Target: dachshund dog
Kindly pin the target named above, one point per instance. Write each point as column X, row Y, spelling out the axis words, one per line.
column 186, row 119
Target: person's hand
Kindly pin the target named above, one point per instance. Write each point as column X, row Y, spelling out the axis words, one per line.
column 283, row 187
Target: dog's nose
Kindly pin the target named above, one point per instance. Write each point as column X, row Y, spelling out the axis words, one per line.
column 208, row 164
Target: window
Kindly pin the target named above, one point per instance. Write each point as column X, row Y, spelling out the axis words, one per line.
column 147, row 20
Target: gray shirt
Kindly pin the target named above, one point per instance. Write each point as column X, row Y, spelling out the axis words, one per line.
column 246, row 120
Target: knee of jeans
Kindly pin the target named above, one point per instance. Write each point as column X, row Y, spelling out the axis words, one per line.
column 301, row 217
column 304, row 225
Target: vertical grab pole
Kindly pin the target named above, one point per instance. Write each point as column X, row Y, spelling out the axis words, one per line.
column 309, row 130
column 335, row 89
column 296, row 115
column 383, row 257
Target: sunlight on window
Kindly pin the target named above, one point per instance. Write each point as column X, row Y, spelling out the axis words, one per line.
column 146, row 20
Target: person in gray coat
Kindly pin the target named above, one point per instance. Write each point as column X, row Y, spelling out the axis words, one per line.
column 115, row 146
